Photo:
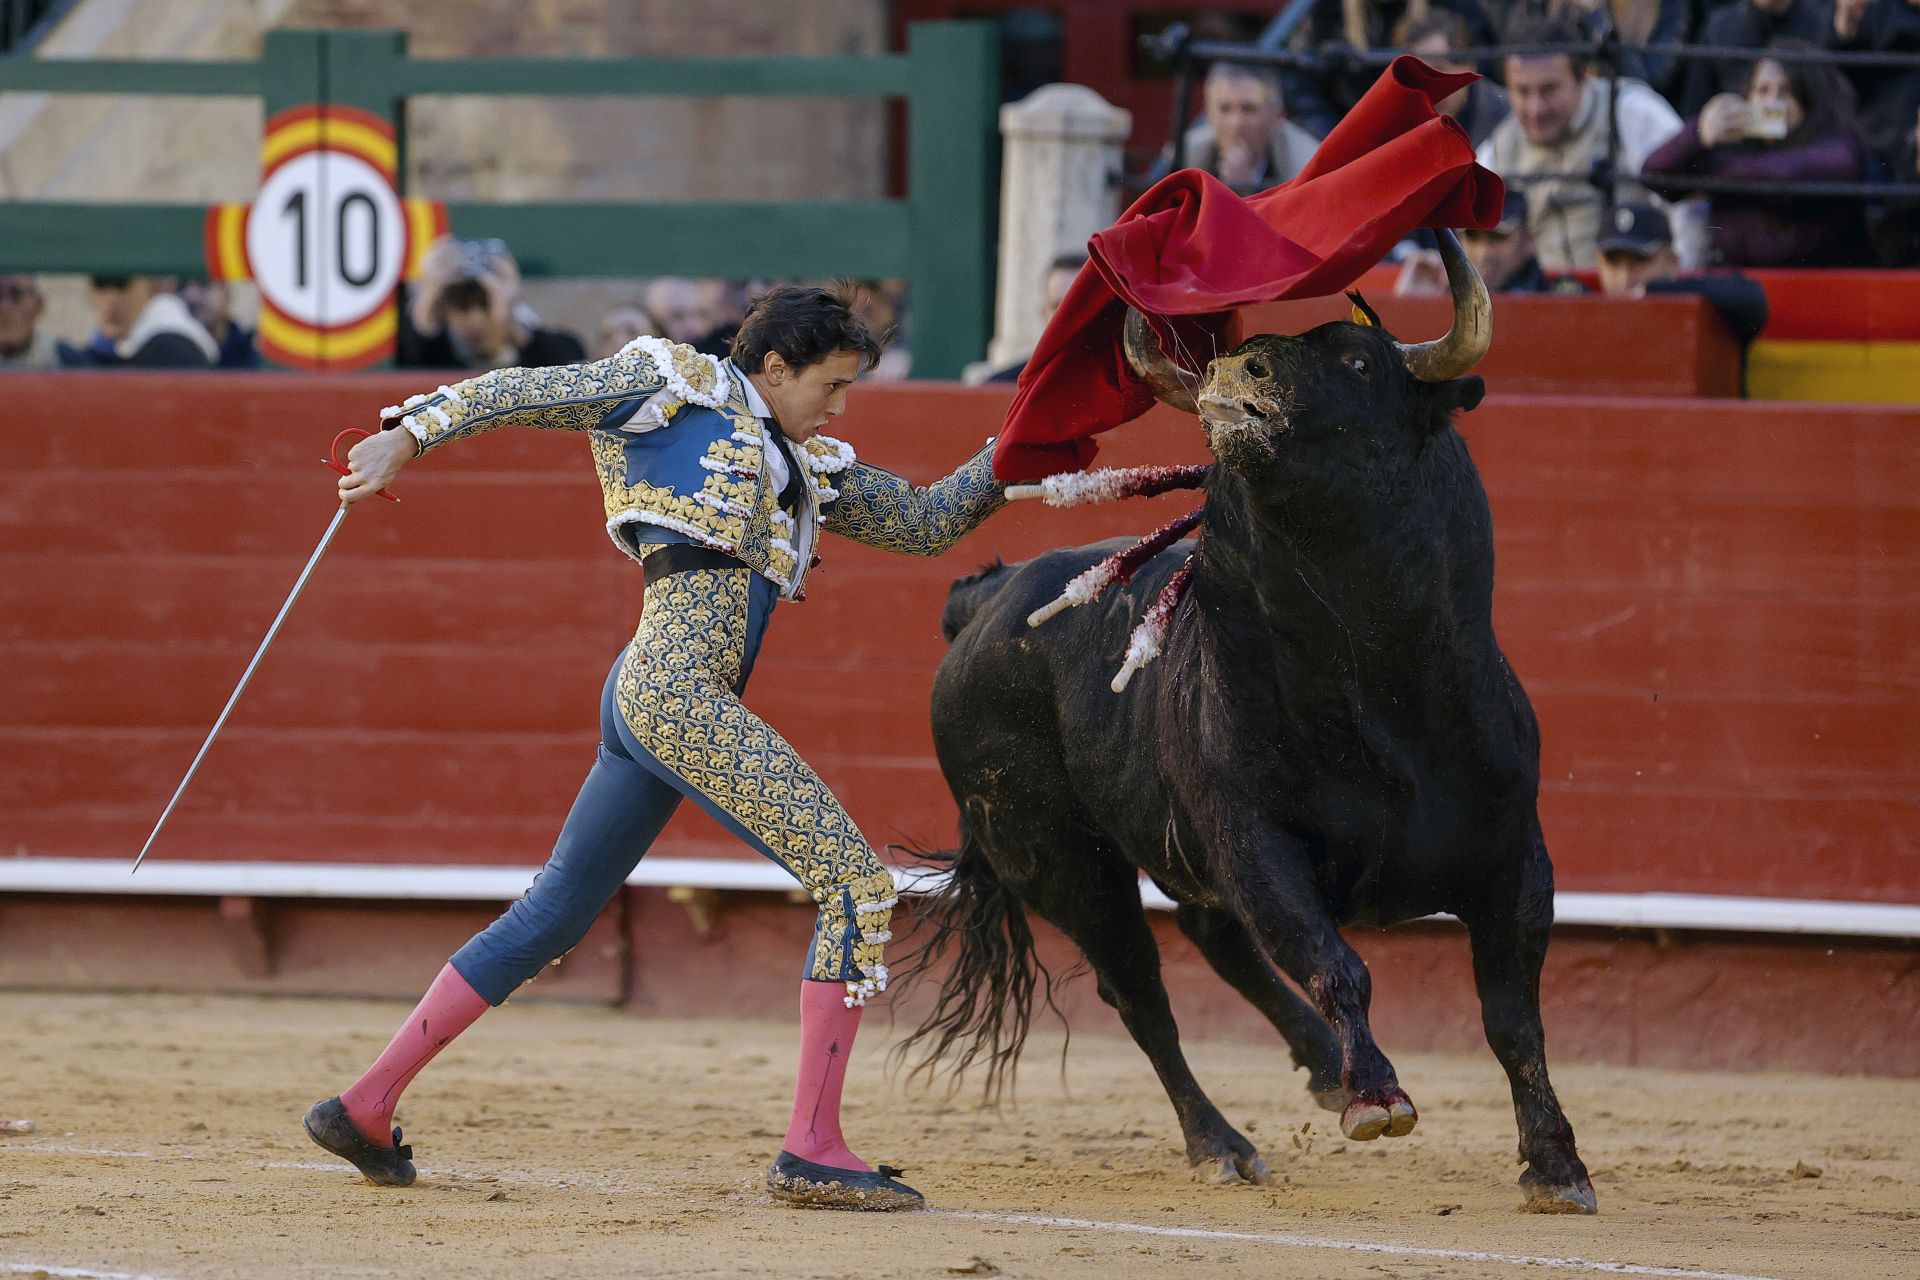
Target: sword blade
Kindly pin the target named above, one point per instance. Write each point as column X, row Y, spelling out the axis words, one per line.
column 272, row 631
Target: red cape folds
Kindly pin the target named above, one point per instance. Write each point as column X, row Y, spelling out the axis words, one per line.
column 1191, row 248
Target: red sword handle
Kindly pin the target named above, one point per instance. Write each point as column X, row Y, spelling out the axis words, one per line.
column 333, row 461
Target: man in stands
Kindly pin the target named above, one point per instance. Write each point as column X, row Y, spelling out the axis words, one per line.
column 1245, row 140
column 141, row 322
column 212, row 305
column 1559, row 125
column 1053, row 289
column 466, row 313
column 702, row 314
column 1885, row 93
column 23, row 345
column 1503, row 255
column 1434, row 37
column 1637, row 260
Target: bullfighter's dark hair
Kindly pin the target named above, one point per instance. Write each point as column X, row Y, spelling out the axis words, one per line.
column 804, row 325
column 1529, row 28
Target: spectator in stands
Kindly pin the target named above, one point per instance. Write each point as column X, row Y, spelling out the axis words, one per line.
column 1053, row 291
column 1747, row 24
column 619, row 327
column 1504, row 255
column 1560, row 126
column 1637, row 260
column 1884, row 94
column 882, row 307
column 1318, row 100
column 704, row 314
column 1634, row 22
column 1433, row 38
column 726, row 302
column 1245, row 139
column 23, row 344
column 141, row 322
column 1897, row 235
column 212, row 306
column 1792, row 123
column 467, row 313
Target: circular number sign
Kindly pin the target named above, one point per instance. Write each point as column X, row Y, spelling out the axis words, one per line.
column 326, row 239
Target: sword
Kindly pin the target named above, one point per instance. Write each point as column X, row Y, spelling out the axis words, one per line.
column 333, row 526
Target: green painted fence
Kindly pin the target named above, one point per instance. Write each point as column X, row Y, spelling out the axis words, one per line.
column 940, row 237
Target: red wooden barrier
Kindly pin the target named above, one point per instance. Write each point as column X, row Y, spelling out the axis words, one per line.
column 1713, row 604
column 1549, row 344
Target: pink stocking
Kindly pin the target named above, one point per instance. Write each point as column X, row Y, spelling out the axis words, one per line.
column 827, row 1027
column 449, row 1007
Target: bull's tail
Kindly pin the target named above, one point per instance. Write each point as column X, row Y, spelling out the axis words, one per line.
column 985, row 1006
column 967, row 595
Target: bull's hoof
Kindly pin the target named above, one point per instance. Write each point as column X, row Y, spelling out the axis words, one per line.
column 1387, row 1114
column 1230, row 1170
column 1566, row 1197
column 1332, row 1098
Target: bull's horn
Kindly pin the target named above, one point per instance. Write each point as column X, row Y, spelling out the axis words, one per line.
column 1172, row 384
column 1467, row 341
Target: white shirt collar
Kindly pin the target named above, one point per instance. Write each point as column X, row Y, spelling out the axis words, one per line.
column 756, row 403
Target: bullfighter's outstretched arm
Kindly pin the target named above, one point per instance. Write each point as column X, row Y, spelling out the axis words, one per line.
column 572, row 397
column 879, row 508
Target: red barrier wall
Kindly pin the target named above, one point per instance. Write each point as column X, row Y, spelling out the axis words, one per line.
column 1713, row 604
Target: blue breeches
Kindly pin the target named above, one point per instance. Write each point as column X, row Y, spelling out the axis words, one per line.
column 672, row 725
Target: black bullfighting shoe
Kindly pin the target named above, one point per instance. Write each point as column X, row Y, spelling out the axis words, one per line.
column 327, row 1124
column 816, row 1186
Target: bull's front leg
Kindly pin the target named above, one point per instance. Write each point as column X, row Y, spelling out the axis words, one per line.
column 1273, row 893
column 1509, row 941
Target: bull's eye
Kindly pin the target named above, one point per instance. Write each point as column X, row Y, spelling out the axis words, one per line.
column 1356, row 363
column 1258, row 368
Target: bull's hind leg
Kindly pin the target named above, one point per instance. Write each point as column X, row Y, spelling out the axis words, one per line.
column 1509, row 946
column 1099, row 909
column 1234, row 955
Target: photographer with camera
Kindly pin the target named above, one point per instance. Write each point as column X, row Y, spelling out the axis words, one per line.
column 465, row 313
column 1791, row 123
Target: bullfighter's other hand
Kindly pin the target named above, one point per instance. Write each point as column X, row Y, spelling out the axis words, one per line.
column 374, row 462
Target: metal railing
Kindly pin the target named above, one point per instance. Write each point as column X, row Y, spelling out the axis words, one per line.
column 939, row 238
column 1187, row 55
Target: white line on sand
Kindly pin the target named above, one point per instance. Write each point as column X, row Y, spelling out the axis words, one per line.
column 81, row 1273
column 1026, row 1219
column 1353, row 1246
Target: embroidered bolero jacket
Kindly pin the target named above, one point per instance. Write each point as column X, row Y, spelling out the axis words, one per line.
column 680, row 459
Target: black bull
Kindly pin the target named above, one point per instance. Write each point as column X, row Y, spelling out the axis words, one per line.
column 1330, row 736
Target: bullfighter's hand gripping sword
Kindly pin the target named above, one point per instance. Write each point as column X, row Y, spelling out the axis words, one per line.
column 333, row 462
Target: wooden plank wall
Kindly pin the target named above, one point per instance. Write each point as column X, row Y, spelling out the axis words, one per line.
column 1715, row 606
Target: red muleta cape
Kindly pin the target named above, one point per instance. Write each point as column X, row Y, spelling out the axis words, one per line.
column 1191, row 248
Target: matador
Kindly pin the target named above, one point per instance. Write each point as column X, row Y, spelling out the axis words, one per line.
column 718, row 483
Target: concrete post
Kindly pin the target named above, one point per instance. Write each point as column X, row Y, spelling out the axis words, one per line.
column 1060, row 183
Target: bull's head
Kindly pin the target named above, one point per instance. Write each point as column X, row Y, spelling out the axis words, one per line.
column 1338, row 386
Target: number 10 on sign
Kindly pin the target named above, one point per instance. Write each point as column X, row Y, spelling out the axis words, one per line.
column 327, row 239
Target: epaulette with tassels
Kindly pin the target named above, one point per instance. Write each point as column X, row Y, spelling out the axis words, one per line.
column 1081, row 487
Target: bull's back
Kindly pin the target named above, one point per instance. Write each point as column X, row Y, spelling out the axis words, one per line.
column 1004, row 688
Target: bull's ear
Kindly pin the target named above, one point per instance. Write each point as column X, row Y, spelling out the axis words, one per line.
column 1460, row 394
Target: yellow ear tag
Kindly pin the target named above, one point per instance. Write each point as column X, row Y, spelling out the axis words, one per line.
column 1360, row 312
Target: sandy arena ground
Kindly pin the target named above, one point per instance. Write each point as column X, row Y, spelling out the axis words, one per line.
column 585, row 1142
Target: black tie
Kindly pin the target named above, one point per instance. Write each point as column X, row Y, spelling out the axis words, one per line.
column 790, row 492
